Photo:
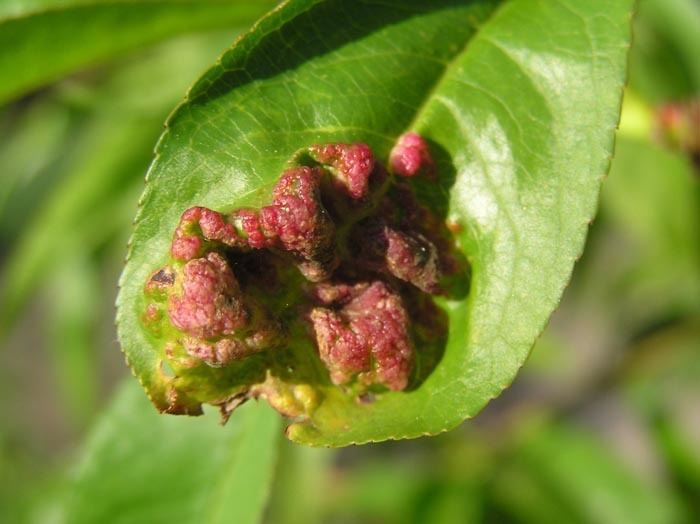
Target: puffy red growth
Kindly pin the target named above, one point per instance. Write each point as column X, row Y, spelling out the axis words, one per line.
column 368, row 336
column 300, row 223
column 411, row 156
column 211, row 303
column 200, row 224
column 218, row 353
column 248, row 222
column 186, row 247
column 362, row 330
column 296, row 222
column 352, row 165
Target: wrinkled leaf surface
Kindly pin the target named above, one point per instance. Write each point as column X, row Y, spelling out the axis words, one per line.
column 519, row 100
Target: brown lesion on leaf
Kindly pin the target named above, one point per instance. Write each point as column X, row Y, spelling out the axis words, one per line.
column 160, row 282
column 168, row 399
column 407, row 255
column 343, row 255
column 291, row 400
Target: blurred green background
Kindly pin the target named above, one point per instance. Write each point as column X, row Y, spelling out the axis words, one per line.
column 601, row 426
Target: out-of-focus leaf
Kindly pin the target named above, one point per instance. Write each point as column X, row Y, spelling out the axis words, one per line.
column 111, row 149
column 679, row 19
column 520, row 98
column 112, row 153
column 663, row 64
column 449, row 503
column 680, row 451
column 399, row 491
column 34, row 145
column 652, row 202
column 654, row 195
column 74, row 304
column 139, row 466
column 377, row 491
column 664, row 385
column 17, row 471
column 47, row 40
column 302, row 473
column 516, row 495
column 563, row 475
column 637, row 120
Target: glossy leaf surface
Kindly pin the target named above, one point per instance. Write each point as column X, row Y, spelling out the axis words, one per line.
column 519, row 100
column 44, row 40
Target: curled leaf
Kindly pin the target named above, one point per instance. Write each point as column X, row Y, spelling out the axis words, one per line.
column 517, row 102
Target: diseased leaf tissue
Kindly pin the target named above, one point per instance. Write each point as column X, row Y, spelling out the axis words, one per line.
column 344, row 255
column 261, row 265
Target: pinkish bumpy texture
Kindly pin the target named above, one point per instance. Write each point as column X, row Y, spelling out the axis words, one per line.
column 351, row 166
column 296, row 222
column 211, row 303
column 411, row 156
column 220, row 324
column 301, row 224
column 361, row 327
column 366, row 335
column 199, row 225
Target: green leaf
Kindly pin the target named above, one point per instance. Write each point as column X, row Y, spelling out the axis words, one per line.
column 392, row 491
column 74, row 294
column 653, row 202
column 664, row 385
column 97, row 170
column 520, row 99
column 33, row 142
column 49, row 39
column 109, row 157
column 563, row 475
column 663, row 61
column 139, row 466
column 302, row 473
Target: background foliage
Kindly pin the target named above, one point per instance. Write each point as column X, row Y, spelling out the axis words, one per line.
column 600, row 426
